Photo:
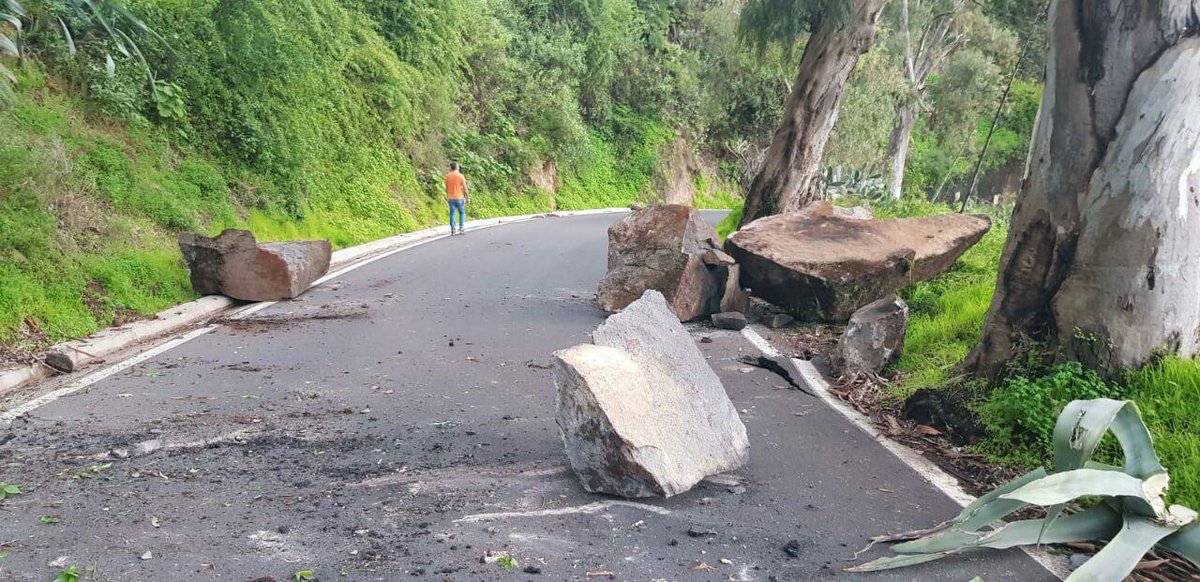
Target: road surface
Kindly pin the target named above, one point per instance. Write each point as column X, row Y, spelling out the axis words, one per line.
column 398, row 421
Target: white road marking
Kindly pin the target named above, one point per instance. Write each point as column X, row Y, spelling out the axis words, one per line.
column 590, row 508
column 928, row 470
column 10, row 415
column 7, row 416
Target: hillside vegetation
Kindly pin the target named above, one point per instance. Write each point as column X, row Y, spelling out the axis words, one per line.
column 336, row 119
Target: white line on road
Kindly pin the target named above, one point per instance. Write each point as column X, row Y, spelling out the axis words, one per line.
column 590, row 508
column 8, row 416
column 927, row 469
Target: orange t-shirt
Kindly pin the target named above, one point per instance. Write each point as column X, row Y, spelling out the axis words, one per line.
column 456, row 186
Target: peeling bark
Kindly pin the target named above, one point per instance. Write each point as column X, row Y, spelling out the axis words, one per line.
column 906, row 122
column 1102, row 263
column 790, row 175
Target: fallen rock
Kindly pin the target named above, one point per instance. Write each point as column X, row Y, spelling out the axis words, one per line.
column 640, row 411
column 234, row 264
column 730, row 320
column 873, row 339
column 671, row 249
column 823, row 266
column 60, row 361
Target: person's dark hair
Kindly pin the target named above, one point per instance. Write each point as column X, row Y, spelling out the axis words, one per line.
column 454, row 166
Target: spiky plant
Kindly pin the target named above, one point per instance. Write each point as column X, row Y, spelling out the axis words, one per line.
column 10, row 27
column 1131, row 514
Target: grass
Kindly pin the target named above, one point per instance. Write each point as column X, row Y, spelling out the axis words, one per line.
column 1166, row 395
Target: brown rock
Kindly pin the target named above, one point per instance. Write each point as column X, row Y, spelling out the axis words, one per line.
column 822, row 266
column 235, row 265
column 671, row 249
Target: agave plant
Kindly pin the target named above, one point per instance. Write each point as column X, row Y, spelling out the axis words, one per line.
column 1131, row 514
column 862, row 183
column 10, row 18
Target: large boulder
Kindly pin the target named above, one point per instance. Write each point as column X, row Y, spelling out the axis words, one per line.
column 669, row 248
column 236, row 265
column 873, row 339
column 640, row 411
column 822, row 264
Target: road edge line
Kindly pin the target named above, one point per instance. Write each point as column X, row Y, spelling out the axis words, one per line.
column 929, row 471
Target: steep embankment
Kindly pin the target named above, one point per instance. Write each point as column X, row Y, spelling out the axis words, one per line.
column 309, row 119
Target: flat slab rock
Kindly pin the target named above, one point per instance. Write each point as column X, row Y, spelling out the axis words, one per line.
column 234, row 264
column 669, row 248
column 640, row 411
column 822, row 264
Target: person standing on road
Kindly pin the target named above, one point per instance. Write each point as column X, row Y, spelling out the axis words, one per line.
column 457, row 196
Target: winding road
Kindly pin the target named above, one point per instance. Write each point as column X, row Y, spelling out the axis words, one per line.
column 398, row 421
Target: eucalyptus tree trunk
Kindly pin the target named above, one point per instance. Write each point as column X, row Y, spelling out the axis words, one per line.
column 1102, row 262
column 937, row 42
column 907, row 115
column 790, row 175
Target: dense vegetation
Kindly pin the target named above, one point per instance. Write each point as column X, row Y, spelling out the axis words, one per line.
column 328, row 118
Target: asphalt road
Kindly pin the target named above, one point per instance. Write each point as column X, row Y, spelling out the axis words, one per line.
column 399, row 421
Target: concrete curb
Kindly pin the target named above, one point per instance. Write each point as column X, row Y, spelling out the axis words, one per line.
column 75, row 355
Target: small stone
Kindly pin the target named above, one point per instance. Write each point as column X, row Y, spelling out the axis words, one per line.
column 1076, row 561
column 673, row 542
column 148, row 556
column 532, row 570
column 737, row 490
column 701, row 533
column 146, row 447
column 706, row 340
column 792, row 548
column 729, row 320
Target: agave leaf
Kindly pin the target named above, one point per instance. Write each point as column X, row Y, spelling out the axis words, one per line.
column 1124, row 551
column 1063, row 487
column 15, row 7
column 131, row 18
column 7, row 74
column 8, row 47
column 890, row 562
column 67, row 36
column 988, row 508
column 1141, row 460
column 1081, row 427
column 1185, row 542
column 110, row 66
column 12, row 19
column 948, row 540
column 1098, row 523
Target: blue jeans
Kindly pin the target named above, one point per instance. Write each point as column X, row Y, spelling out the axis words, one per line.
column 458, row 205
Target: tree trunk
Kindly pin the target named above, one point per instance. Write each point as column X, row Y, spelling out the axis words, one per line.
column 789, row 178
column 906, row 121
column 1102, row 262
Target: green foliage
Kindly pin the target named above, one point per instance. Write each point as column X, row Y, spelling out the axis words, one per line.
column 730, row 223
column 1019, row 414
column 1166, row 394
column 765, row 22
column 304, row 576
column 71, row 574
column 8, row 490
column 508, row 562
